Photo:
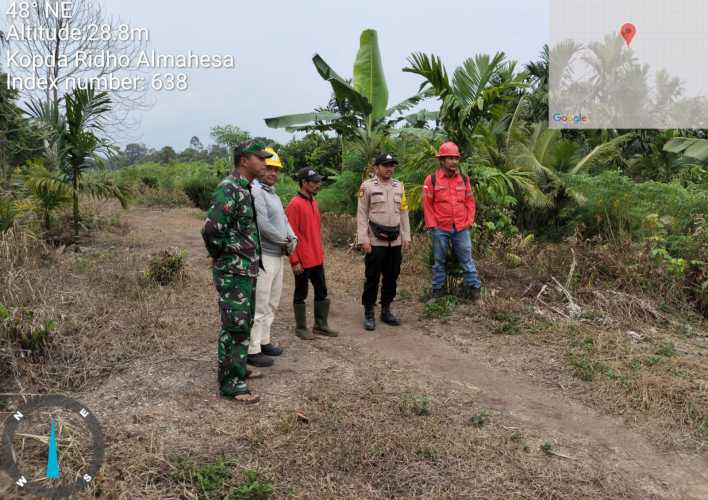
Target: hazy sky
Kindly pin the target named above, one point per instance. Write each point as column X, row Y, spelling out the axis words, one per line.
column 274, row 41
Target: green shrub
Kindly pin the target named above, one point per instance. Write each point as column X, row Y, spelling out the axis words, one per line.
column 584, row 366
column 215, row 479
column 479, row 420
column 286, row 189
column 411, row 404
column 200, row 190
column 616, row 206
column 441, row 308
column 209, row 479
column 165, row 197
column 341, row 196
column 252, row 488
column 4, row 313
column 172, row 175
column 26, row 329
column 8, row 212
column 666, row 349
column 150, row 181
column 167, row 267
column 508, row 323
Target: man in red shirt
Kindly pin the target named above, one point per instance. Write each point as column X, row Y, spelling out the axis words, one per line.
column 449, row 208
column 307, row 261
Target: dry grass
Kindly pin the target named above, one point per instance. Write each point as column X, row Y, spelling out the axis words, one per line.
column 339, row 231
column 371, row 443
column 103, row 311
column 364, row 429
column 606, row 312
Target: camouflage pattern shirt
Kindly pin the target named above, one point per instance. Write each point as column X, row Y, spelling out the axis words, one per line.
column 230, row 231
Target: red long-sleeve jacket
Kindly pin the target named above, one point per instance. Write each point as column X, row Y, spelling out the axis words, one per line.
column 450, row 203
column 304, row 217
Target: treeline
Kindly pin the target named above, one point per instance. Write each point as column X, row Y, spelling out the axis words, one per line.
column 312, row 149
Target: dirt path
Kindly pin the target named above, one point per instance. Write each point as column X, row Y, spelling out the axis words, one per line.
column 584, row 435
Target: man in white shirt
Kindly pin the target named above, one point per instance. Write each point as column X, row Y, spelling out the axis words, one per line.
column 277, row 241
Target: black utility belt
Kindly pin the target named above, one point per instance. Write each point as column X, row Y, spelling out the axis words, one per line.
column 386, row 233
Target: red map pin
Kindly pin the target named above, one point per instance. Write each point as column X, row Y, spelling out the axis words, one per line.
column 628, row 30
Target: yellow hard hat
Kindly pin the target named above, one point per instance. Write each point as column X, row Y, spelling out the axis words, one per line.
column 273, row 161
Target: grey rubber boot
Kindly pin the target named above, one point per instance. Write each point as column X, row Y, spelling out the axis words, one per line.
column 301, row 322
column 321, row 313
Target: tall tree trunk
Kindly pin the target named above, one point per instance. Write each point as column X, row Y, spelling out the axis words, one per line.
column 76, row 206
column 4, row 167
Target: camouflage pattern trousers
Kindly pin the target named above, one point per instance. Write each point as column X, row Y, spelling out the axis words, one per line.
column 237, row 302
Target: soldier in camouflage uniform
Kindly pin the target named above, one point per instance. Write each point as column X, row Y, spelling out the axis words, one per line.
column 232, row 240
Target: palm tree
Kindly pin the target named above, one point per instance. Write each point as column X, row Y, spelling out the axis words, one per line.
column 76, row 145
column 482, row 88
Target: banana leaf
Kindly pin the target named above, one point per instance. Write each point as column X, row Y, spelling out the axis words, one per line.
column 342, row 89
column 693, row 148
column 300, row 119
column 369, row 79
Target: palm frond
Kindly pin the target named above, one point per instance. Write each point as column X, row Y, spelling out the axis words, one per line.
column 433, row 71
column 603, row 152
column 104, row 189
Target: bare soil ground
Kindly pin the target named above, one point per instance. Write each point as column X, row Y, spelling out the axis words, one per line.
column 431, row 409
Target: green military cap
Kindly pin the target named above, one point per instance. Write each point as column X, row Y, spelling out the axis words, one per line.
column 251, row 148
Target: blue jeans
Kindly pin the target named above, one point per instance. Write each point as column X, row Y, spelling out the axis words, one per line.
column 462, row 245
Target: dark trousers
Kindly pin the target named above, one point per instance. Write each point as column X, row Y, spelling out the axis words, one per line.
column 314, row 275
column 386, row 262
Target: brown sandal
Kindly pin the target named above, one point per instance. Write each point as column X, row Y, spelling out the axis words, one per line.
column 253, row 374
column 247, row 398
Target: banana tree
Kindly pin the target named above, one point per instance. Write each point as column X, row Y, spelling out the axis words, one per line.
column 360, row 113
column 74, row 137
column 691, row 147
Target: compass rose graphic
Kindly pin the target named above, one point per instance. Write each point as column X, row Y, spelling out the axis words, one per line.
column 52, row 446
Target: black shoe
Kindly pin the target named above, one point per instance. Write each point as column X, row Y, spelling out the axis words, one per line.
column 388, row 317
column 369, row 321
column 271, row 350
column 260, row 360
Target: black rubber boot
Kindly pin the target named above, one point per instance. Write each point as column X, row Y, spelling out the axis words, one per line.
column 387, row 316
column 260, row 360
column 321, row 314
column 369, row 321
column 301, row 322
column 473, row 294
column 271, row 350
column 435, row 295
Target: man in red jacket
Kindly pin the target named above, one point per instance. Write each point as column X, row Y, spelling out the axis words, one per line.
column 449, row 208
column 307, row 260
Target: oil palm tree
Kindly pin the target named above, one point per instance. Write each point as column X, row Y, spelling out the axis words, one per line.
column 482, row 88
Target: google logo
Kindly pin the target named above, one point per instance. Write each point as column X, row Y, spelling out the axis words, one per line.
column 569, row 118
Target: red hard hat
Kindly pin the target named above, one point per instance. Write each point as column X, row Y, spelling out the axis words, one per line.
column 448, row 149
